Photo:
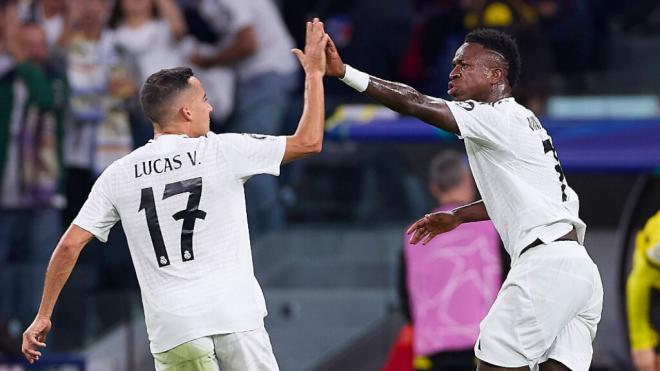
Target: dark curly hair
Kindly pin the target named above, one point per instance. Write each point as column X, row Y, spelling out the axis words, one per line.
column 160, row 88
column 502, row 43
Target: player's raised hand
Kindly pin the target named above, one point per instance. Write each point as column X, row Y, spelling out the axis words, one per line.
column 313, row 59
column 432, row 225
column 335, row 66
column 34, row 338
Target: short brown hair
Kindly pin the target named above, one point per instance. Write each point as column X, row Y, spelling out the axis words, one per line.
column 160, row 88
column 446, row 170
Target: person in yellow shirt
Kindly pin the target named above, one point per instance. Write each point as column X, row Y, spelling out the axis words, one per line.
column 644, row 278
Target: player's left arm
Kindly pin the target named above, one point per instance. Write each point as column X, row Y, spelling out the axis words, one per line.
column 59, row 269
column 396, row 96
column 440, row 222
column 308, row 138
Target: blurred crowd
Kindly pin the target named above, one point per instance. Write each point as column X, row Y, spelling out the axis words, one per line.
column 70, row 72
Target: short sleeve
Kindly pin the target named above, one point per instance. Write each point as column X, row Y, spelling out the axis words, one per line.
column 480, row 122
column 98, row 214
column 252, row 154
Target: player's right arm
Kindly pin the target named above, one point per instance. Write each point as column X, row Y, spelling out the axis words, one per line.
column 95, row 219
column 434, row 224
column 396, row 96
column 61, row 264
column 308, row 138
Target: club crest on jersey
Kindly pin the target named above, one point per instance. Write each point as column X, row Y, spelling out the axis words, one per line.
column 466, row 105
column 534, row 123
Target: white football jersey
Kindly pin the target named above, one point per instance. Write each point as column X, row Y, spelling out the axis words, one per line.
column 517, row 171
column 182, row 207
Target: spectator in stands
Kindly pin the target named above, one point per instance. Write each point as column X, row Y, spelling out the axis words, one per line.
column 567, row 24
column 148, row 30
column 520, row 20
column 51, row 18
column 257, row 45
column 98, row 131
column 437, row 33
column 49, row 14
column 642, row 281
column 448, row 285
column 146, row 35
column 206, row 40
column 32, row 107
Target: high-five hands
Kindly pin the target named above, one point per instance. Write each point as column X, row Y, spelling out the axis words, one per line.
column 313, row 60
column 432, row 225
column 334, row 65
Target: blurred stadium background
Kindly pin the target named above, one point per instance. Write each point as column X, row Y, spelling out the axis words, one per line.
column 328, row 265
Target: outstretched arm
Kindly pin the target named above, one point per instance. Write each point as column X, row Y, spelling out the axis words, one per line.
column 396, row 96
column 434, row 224
column 61, row 264
column 474, row 212
column 308, row 138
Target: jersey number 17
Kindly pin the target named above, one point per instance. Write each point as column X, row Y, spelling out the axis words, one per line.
column 548, row 147
column 189, row 215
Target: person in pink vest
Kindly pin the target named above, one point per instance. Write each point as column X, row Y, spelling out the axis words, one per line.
column 448, row 285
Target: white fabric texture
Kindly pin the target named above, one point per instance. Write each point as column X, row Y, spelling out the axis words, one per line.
column 241, row 351
column 520, row 179
column 548, row 307
column 205, row 286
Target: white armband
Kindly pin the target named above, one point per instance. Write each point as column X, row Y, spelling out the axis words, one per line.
column 356, row 79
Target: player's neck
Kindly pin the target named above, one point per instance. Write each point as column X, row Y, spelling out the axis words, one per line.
column 169, row 130
column 498, row 92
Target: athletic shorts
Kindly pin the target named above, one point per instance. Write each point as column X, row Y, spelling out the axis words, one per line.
column 548, row 307
column 239, row 351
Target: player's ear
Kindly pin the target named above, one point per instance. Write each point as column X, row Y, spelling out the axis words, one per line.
column 497, row 76
column 185, row 113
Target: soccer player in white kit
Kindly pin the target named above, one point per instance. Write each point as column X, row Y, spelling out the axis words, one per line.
column 181, row 202
column 546, row 313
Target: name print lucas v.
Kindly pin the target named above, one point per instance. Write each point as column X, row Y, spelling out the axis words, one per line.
column 163, row 165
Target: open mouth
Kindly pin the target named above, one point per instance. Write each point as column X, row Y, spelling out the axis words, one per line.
column 451, row 89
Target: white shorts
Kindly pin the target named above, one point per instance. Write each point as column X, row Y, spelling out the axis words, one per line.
column 548, row 307
column 239, row 351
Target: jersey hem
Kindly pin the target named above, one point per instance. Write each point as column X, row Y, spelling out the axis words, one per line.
column 155, row 349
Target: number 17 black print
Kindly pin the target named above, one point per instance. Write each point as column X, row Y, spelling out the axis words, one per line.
column 189, row 216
